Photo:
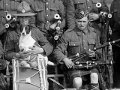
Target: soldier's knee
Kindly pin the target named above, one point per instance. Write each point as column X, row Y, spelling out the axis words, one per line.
column 77, row 82
column 94, row 77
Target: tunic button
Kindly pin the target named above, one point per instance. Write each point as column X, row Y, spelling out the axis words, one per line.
column 47, row 21
column 88, row 7
column 74, row 44
column 46, row 8
column 47, row 15
column 46, row 2
column 6, row 4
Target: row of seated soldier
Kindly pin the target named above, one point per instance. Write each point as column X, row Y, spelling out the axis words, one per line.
column 59, row 33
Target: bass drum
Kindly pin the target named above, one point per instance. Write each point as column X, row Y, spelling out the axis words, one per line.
column 25, row 78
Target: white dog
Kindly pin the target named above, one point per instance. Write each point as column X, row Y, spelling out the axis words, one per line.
column 25, row 43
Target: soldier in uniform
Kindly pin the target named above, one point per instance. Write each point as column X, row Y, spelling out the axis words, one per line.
column 94, row 7
column 46, row 11
column 24, row 16
column 75, row 42
column 3, row 84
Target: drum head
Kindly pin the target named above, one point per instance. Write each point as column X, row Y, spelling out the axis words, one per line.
column 27, row 79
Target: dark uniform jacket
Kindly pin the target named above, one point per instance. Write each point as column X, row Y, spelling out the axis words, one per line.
column 46, row 9
column 12, row 45
column 75, row 41
column 115, row 11
column 1, row 50
column 84, row 5
column 115, row 20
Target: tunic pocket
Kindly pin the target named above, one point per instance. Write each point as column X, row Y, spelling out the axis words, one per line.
column 73, row 48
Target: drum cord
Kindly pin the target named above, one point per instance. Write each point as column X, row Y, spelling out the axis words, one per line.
column 53, row 80
column 41, row 70
column 43, row 74
column 28, row 80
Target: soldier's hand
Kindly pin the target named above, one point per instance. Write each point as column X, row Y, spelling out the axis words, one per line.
column 21, row 55
column 91, row 53
column 68, row 63
column 93, row 16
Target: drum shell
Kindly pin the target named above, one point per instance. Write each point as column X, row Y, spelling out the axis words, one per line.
column 22, row 74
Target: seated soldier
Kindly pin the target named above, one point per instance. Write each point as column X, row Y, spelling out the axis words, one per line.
column 2, row 61
column 25, row 17
column 81, row 40
column 3, row 83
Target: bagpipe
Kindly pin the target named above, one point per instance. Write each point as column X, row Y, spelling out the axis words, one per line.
column 104, row 16
column 55, row 29
column 83, row 60
column 11, row 21
column 8, row 21
column 90, row 64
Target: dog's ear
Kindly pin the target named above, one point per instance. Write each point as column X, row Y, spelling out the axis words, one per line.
column 27, row 28
column 23, row 31
column 21, row 28
column 29, row 33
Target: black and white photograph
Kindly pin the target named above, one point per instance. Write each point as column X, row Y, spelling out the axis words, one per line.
column 59, row 44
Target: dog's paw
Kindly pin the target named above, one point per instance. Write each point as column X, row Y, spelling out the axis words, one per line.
column 50, row 63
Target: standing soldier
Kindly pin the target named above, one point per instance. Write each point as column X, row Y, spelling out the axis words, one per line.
column 94, row 7
column 47, row 10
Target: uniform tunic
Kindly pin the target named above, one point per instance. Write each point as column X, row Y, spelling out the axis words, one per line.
column 12, row 45
column 75, row 41
column 84, row 5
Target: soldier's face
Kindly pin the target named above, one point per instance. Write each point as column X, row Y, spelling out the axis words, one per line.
column 24, row 21
column 82, row 23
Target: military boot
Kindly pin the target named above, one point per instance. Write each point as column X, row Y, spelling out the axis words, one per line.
column 94, row 87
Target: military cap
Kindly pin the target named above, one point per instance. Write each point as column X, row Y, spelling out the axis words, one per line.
column 79, row 14
column 24, row 10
